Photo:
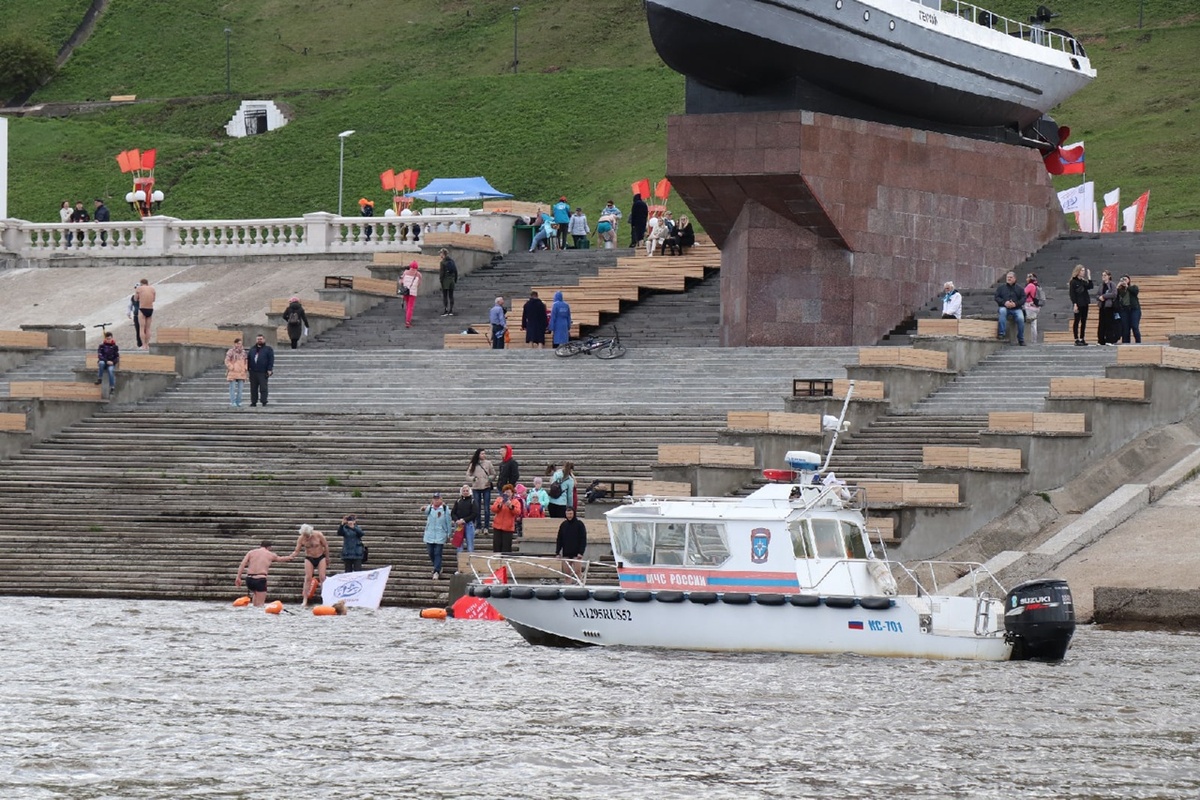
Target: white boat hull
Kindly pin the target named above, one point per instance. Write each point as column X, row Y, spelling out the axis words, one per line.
column 716, row 625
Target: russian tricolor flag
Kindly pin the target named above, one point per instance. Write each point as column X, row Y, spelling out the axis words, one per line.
column 855, row 625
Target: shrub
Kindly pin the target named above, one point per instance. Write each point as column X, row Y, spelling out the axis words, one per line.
column 25, row 64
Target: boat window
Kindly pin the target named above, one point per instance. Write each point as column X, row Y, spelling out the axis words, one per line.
column 828, row 538
column 706, row 544
column 634, row 541
column 801, row 545
column 853, row 537
column 669, row 539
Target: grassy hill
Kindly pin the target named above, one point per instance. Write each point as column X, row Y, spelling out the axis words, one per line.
column 428, row 85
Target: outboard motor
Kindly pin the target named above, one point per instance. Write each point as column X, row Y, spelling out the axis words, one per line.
column 1039, row 620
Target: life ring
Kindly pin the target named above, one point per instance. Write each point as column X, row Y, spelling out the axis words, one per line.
column 274, row 608
column 324, row 611
column 241, row 602
column 433, row 613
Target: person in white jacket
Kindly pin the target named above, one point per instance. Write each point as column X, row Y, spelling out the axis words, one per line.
column 951, row 302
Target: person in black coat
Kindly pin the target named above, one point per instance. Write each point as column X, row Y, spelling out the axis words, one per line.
column 510, row 471
column 102, row 215
column 260, row 360
column 466, row 511
column 533, row 321
column 638, row 216
column 297, row 321
column 1080, row 289
column 571, row 542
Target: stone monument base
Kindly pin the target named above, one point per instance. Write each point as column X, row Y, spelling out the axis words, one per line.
column 833, row 230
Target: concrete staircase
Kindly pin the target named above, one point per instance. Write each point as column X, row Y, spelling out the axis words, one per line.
column 1016, row 379
column 890, row 447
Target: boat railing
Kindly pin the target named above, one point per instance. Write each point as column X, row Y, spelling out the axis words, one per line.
column 1032, row 32
column 927, row 577
column 529, row 569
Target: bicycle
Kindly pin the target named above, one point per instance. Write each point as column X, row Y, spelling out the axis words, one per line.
column 601, row 347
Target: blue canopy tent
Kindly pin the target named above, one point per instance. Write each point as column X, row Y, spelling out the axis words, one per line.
column 457, row 190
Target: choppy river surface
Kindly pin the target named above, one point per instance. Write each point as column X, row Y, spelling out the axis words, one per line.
column 112, row 699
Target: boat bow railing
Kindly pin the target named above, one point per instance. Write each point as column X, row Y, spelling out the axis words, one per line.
column 531, row 569
column 982, row 581
column 1029, row 31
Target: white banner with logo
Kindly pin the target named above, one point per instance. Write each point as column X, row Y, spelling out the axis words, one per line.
column 362, row 589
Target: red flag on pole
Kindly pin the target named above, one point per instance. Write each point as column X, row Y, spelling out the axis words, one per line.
column 123, row 161
column 1140, row 220
column 388, row 180
column 412, row 179
column 662, row 189
column 148, row 158
column 135, row 159
column 1108, row 224
column 641, row 187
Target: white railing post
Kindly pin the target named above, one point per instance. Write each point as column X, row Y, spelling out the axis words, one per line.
column 318, row 231
column 12, row 237
column 158, row 235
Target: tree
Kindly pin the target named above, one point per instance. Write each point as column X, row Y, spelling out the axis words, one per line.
column 25, row 64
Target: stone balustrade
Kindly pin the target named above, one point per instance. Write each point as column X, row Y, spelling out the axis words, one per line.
column 318, row 233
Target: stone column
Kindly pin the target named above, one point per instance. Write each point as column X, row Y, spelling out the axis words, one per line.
column 833, row 230
column 318, row 231
column 158, row 239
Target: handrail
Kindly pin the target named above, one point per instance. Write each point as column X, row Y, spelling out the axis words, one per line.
column 1035, row 33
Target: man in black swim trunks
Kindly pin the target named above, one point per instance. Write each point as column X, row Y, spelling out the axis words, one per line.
column 255, row 564
column 316, row 557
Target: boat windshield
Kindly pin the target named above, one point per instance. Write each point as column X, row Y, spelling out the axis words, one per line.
column 826, row 538
column 700, row 544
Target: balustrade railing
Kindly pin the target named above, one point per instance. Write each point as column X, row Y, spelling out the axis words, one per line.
column 315, row 233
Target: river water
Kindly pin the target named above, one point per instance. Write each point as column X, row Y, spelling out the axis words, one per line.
column 123, row 699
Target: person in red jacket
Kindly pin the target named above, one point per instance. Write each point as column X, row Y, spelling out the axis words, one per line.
column 505, row 511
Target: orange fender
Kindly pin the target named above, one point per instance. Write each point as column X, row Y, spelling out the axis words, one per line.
column 324, row 611
column 241, row 602
column 433, row 613
column 274, row 608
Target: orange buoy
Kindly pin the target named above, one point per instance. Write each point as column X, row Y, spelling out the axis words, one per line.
column 324, row 611
column 241, row 602
column 433, row 613
column 274, row 608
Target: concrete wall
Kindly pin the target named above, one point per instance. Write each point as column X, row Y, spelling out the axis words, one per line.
column 904, row 386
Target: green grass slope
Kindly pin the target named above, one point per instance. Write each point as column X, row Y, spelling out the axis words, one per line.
column 428, row 85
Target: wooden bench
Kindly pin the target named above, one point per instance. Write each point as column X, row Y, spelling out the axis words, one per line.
column 707, row 454
column 909, row 493
column 774, row 422
column 424, row 263
column 313, row 308
column 55, row 390
column 1036, row 422
column 466, row 341
column 544, row 529
column 198, row 337
column 522, row 208
column 1160, row 356
column 812, row 387
column 122, row 98
column 462, row 241
column 1096, row 388
column 614, row 488
column 645, row 486
column 961, row 328
column 907, row 357
column 24, row 340
column 991, row 458
column 138, row 362
column 12, row 421
column 356, row 283
column 836, row 388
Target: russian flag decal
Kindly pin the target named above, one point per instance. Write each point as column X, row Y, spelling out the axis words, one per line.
column 855, row 625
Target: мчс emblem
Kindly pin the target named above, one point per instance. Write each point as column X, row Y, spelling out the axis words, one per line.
column 760, row 542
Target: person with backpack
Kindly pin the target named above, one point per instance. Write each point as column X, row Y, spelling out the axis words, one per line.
column 410, row 284
column 297, row 321
column 561, row 491
column 1034, row 300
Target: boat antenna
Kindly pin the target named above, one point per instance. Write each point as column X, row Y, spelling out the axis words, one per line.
column 837, row 430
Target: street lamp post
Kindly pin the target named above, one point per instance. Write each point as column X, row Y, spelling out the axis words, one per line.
column 516, row 10
column 228, row 84
column 342, row 165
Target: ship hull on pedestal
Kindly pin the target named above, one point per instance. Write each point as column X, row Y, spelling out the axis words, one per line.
column 899, row 56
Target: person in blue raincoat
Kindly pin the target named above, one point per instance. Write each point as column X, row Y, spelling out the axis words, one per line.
column 560, row 320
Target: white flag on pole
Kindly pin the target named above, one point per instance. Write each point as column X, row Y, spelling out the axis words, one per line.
column 1078, row 198
column 1129, row 217
column 362, row 589
column 1113, row 198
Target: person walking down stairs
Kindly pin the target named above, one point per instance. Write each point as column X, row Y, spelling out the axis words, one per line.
column 297, row 321
column 410, row 284
column 448, row 278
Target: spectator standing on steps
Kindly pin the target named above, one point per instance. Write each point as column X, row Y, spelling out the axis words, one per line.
column 562, row 218
column 367, row 209
column 448, row 278
column 533, row 321
column 579, row 229
column 1010, row 299
column 437, row 531
column 1131, row 312
column 1107, row 301
column 146, row 295
column 638, row 215
column 108, row 355
column 78, row 216
column 101, row 215
column 951, row 301
column 410, row 283
column 236, row 372
column 466, row 511
column 564, row 478
column 64, row 216
column 499, row 323
column 260, row 362
column 297, row 321
column 353, row 551
column 1034, row 300
column 510, row 471
column 560, row 320
column 505, row 510
column 1080, row 289
column 481, row 476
